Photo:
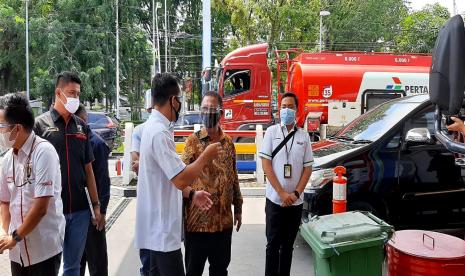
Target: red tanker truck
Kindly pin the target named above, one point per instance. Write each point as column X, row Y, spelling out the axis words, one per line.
column 333, row 88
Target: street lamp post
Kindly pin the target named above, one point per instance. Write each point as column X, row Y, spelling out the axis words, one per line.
column 27, row 50
column 322, row 13
column 155, row 39
column 158, row 6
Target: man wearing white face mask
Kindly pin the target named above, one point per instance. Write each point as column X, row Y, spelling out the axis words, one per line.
column 70, row 137
column 30, row 187
column 287, row 161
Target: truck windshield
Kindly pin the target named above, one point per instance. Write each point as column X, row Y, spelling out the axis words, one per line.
column 375, row 123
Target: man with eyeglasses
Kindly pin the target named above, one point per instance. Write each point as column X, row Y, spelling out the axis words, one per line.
column 208, row 233
column 70, row 137
column 30, row 188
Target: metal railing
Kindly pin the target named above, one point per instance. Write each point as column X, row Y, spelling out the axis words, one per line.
column 241, row 149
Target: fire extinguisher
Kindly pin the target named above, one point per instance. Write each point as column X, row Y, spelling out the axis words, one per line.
column 118, row 167
column 339, row 190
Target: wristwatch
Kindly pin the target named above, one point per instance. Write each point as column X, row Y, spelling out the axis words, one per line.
column 96, row 204
column 16, row 237
column 297, row 194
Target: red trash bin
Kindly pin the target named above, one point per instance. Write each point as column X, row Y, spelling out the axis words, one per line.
column 425, row 253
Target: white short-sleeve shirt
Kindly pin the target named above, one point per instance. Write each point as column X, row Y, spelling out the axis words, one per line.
column 159, row 202
column 299, row 156
column 46, row 240
column 137, row 137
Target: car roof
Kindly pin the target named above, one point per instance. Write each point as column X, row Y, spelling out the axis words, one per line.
column 414, row 99
column 96, row 112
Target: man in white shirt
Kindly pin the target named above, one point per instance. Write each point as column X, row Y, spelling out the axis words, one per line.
column 288, row 172
column 162, row 177
column 137, row 135
column 30, row 193
column 144, row 254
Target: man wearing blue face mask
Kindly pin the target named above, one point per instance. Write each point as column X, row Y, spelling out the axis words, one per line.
column 287, row 161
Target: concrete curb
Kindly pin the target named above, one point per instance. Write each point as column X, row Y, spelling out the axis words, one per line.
column 130, row 191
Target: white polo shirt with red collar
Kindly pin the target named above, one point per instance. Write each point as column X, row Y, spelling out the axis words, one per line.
column 36, row 173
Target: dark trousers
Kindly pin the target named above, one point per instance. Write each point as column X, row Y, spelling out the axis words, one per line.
column 166, row 263
column 144, row 255
column 216, row 247
column 282, row 225
column 49, row 267
column 95, row 253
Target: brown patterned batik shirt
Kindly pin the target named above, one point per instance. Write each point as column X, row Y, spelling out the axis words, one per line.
column 219, row 178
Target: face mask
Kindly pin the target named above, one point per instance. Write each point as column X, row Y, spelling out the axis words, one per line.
column 5, row 140
column 176, row 112
column 210, row 120
column 72, row 104
column 287, row 116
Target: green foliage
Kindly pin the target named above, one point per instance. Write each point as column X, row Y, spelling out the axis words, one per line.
column 420, row 29
column 79, row 35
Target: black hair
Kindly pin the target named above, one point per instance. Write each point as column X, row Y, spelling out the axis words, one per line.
column 81, row 110
column 17, row 110
column 291, row 95
column 67, row 77
column 215, row 95
column 164, row 86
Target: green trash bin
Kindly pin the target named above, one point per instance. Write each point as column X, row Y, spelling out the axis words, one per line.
column 347, row 244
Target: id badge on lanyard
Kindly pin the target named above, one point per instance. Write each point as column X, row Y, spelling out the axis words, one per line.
column 287, row 170
column 288, row 167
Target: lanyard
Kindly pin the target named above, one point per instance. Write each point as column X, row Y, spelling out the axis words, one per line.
column 292, row 143
column 27, row 168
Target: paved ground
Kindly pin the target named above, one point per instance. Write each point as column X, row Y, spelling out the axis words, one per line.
column 248, row 246
column 5, row 262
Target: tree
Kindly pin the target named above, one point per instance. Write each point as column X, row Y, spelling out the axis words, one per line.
column 420, row 29
column 362, row 25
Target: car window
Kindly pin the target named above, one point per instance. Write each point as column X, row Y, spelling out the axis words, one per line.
column 394, row 143
column 97, row 119
column 422, row 119
column 376, row 122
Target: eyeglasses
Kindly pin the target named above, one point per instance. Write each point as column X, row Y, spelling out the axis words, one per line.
column 210, row 109
column 5, row 125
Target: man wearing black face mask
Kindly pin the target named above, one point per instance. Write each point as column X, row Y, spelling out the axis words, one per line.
column 162, row 177
column 208, row 233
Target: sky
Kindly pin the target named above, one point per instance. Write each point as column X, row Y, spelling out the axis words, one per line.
column 418, row 4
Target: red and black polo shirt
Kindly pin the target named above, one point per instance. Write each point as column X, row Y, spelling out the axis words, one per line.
column 72, row 142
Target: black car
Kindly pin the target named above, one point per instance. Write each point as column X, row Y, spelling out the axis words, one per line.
column 188, row 119
column 104, row 126
column 395, row 168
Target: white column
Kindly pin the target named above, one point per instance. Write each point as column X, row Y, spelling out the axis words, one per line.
column 127, row 173
column 258, row 142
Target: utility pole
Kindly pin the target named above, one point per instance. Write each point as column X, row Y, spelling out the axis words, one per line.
column 117, row 61
column 206, row 39
column 27, row 50
column 322, row 13
column 166, row 38
column 454, row 7
column 154, row 53
column 158, row 36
